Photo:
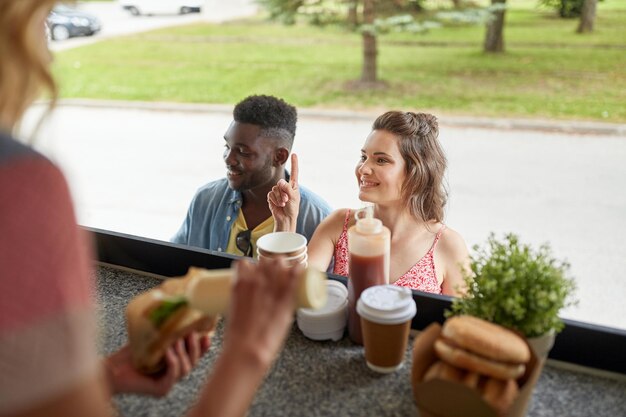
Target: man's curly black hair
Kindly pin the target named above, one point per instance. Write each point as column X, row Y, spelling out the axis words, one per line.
column 276, row 117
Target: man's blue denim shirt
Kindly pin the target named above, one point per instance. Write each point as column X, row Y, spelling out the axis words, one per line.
column 215, row 208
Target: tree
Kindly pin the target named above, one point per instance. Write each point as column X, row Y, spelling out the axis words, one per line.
column 494, row 39
column 353, row 17
column 565, row 8
column 369, row 73
column 587, row 16
column 320, row 12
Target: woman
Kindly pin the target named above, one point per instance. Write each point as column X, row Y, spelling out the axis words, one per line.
column 401, row 171
column 48, row 357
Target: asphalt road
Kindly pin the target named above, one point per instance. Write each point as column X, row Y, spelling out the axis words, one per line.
column 118, row 22
column 135, row 170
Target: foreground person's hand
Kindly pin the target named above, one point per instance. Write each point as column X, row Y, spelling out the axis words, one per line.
column 284, row 200
column 260, row 317
column 180, row 359
column 262, row 308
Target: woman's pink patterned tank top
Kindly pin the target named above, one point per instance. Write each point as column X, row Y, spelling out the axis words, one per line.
column 421, row 276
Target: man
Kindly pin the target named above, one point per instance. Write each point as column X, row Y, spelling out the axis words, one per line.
column 230, row 214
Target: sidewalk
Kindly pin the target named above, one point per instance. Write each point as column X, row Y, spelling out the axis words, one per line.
column 133, row 168
column 539, row 125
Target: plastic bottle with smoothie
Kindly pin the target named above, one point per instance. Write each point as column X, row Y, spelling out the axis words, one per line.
column 368, row 246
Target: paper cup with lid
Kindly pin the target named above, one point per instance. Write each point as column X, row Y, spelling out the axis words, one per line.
column 328, row 322
column 386, row 312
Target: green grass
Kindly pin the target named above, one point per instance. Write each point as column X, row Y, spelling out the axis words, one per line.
column 547, row 71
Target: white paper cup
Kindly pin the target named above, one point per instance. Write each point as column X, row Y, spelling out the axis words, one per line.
column 281, row 243
column 290, row 262
column 298, row 258
column 261, row 252
column 386, row 312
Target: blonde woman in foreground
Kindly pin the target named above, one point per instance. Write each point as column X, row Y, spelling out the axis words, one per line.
column 47, row 326
column 401, row 171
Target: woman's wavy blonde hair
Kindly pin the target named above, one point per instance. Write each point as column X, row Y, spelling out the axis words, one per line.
column 24, row 66
column 424, row 189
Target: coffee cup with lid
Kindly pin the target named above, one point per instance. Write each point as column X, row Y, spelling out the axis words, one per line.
column 386, row 312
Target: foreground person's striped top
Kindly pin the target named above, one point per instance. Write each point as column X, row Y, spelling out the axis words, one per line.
column 46, row 322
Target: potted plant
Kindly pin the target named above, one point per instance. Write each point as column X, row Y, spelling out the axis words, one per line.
column 518, row 287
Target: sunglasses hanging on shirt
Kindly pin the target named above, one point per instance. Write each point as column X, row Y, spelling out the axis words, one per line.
column 244, row 243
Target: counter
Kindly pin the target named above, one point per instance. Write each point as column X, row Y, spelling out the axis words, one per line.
column 331, row 378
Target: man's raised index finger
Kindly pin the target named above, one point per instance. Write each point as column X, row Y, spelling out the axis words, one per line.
column 294, row 171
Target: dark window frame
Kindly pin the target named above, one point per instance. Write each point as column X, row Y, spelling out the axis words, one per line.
column 581, row 343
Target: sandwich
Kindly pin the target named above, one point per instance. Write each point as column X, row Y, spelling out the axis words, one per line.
column 472, row 352
column 479, row 346
column 160, row 316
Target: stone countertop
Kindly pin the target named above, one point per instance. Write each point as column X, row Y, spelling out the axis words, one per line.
column 330, row 378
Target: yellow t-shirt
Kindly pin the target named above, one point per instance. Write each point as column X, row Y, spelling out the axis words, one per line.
column 267, row 226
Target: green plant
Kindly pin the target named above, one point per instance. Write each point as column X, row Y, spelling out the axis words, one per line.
column 551, row 74
column 513, row 285
column 565, row 8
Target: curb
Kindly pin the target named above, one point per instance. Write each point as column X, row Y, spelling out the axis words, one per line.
column 570, row 127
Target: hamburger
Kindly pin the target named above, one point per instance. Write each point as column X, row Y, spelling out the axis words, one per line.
column 473, row 353
column 477, row 345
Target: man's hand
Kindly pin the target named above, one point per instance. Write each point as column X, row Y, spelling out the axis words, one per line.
column 284, row 200
column 180, row 358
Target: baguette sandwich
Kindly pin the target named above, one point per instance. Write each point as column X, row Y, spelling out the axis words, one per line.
column 159, row 317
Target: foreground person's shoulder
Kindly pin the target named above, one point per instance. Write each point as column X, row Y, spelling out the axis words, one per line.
column 12, row 150
column 29, row 176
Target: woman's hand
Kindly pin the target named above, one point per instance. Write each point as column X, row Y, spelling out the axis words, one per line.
column 284, row 200
column 262, row 310
column 180, row 358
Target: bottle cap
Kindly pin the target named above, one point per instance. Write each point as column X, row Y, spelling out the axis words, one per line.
column 366, row 223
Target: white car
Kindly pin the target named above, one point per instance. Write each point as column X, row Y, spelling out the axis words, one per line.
column 150, row 7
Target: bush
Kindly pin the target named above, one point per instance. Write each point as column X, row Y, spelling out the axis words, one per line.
column 517, row 287
column 565, row 8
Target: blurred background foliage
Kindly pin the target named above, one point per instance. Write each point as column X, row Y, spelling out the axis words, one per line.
column 547, row 70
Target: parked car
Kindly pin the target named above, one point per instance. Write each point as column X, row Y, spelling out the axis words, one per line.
column 150, row 7
column 66, row 22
